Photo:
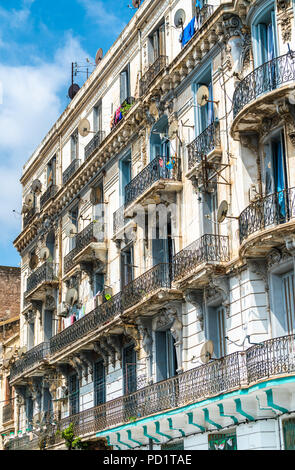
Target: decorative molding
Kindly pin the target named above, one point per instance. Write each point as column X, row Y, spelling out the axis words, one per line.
column 196, row 298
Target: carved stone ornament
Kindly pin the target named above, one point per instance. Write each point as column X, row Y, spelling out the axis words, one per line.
column 132, row 331
column 220, row 286
column 274, row 257
column 259, row 267
column 287, row 111
column 195, row 297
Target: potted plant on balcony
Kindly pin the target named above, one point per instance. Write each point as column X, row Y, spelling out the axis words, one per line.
column 72, row 442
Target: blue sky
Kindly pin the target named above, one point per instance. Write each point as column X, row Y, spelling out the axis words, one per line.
column 38, row 41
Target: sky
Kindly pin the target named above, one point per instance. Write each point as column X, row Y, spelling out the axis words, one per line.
column 39, row 39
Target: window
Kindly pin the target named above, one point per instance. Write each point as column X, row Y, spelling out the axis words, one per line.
column 74, row 146
column 209, row 205
column 222, row 441
column 264, row 37
column 166, row 360
column 73, row 215
column 97, row 117
column 157, row 44
column 288, row 301
column 216, row 330
column 74, row 394
column 125, row 84
column 31, row 334
column 179, row 445
column 126, row 266
column 129, row 369
column 162, row 244
column 48, row 317
column 51, row 172
column 205, row 114
column 159, row 142
column 275, row 172
column 99, row 383
column 125, row 174
column 98, row 284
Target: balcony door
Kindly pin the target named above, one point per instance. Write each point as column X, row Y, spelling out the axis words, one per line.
column 73, row 216
column 99, row 383
column 125, row 84
column 216, row 330
column 157, row 44
column 125, row 174
column 129, row 369
column 162, row 243
column 74, row 394
column 97, row 117
column 48, row 319
column 31, row 334
column 166, row 361
column 289, row 301
column 126, row 266
column 209, row 207
column 264, row 38
column 159, row 142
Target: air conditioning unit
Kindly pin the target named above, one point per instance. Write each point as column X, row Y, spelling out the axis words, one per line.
column 62, row 310
column 61, row 392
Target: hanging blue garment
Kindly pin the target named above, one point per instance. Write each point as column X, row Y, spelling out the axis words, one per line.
column 188, row 32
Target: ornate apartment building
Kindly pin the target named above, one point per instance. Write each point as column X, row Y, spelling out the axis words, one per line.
column 157, row 301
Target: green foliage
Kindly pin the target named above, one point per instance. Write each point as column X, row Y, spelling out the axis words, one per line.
column 72, row 442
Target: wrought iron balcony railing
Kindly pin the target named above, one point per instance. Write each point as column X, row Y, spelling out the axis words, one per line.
column 72, row 168
column 31, row 358
column 207, row 141
column 94, row 143
column 161, row 168
column 274, row 209
column 45, row 273
column 94, row 232
column 268, row 77
column 49, row 193
column 157, row 277
column 119, row 221
column 152, row 72
column 208, row 248
column 98, row 317
column 29, row 215
column 7, row 413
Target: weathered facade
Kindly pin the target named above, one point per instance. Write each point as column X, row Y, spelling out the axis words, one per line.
column 130, row 271
column 10, row 278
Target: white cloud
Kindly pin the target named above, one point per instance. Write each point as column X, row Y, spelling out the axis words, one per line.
column 32, row 101
column 99, row 14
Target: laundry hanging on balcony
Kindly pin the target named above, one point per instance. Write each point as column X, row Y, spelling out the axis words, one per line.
column 188, row 32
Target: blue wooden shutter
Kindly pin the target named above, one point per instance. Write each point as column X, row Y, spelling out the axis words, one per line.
column 47, row 325
column 99, row 383
column 161, row 355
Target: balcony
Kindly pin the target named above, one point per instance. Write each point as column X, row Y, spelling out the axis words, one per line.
column 162, row 173
column 29, row 216
column 213, row 249
column 255, row 97
column 141, row 288
column 7, row 413
column 39, row 281
column 70, row 171
column 89, row 246
column 206, row 144
column 94, row 144
column 153, row 71
column 49, row 194
column 90, row 323
column 266, row 220
column 33, row 358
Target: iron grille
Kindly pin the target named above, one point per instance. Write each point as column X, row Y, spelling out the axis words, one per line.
column 72, row 168
column 207, row 141
column 7, row 413
column 208, row 248
column 30, row 359
column 161, row 168
column 274, row 209
column 263, row 79
column 49, row 194
column 153, row 71
column 44, row 273
column 94, row 143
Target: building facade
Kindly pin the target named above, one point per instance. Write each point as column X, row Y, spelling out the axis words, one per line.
column 157, row 301
column 10, row 278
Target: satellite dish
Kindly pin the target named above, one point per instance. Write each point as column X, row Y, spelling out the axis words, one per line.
column 136, row 3
column 73, row 90
column 44, row 253
column 34, row 261
column 222, row 211
column 98, row 56
column 202, row 95
column 207, row 351
column 71, row 296
column 179, row 18
column 29, row 200
column 172, row 129
column 36, row 186
column 84, row 128
column 71, row 230
column 95, row 195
